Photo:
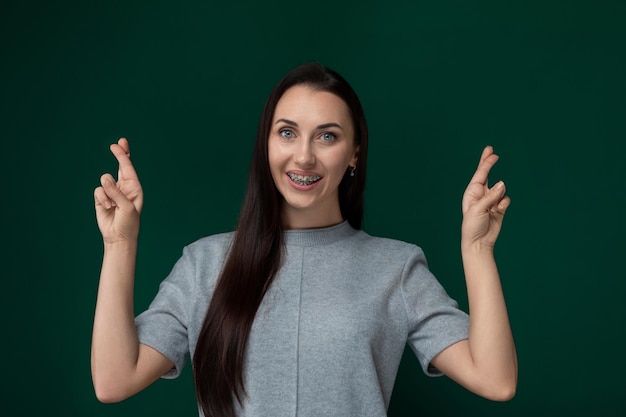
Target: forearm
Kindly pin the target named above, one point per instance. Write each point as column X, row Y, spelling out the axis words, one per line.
column 490, row 338
column 115, row 346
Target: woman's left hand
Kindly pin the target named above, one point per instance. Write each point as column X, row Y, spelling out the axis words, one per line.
column 483, row 207
column 485, row 363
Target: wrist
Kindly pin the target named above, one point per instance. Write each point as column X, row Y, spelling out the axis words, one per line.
column 120, row 245
column 476, row 248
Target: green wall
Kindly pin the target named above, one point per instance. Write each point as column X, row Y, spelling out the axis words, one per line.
column 542, row 81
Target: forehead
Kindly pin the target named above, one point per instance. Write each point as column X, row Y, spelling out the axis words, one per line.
column 304, row 103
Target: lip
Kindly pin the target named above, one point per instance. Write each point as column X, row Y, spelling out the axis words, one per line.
column 300, row 172
column 303, row 173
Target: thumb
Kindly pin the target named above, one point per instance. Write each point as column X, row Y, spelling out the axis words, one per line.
column 492, row 197
column 115, row 194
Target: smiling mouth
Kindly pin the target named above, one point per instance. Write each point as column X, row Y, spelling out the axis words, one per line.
column 304, row 179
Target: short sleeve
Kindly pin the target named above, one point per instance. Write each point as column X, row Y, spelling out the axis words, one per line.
column 164, row 325
column 435, row 320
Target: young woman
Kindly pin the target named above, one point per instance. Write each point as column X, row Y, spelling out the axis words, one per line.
column 298, row 311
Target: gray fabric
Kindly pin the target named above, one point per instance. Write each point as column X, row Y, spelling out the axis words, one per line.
column 329, row 335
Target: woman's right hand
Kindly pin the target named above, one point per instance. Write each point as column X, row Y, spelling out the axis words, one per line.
column 119, row 203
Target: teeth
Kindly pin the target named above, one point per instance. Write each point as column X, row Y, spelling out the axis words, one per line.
column 304, row 179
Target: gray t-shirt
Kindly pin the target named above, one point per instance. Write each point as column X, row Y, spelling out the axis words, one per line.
column 329, row 335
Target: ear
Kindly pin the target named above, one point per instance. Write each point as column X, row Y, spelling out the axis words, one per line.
column 355, row 157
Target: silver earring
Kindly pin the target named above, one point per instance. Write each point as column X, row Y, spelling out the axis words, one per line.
column 352, row 171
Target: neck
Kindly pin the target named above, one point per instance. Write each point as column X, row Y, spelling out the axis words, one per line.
column 296, row 219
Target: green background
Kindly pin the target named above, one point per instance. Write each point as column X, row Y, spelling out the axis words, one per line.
column 542, row 81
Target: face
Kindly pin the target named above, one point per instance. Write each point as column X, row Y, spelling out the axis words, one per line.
column 311, row 145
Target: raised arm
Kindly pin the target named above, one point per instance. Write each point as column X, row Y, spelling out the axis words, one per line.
column 486, row 363
column 120, row 366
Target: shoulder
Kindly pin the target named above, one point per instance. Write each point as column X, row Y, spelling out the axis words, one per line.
column 207, row 251
column 200, row 262
column 386, row 250
column 386, row 245
column 214, row 243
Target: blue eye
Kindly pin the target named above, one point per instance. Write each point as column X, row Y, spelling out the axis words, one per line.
column 327, row 137
column 286, row 133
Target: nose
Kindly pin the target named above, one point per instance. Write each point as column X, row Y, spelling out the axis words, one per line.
column 304, row 154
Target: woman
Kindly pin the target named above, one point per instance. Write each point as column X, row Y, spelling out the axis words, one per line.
column 298, row 312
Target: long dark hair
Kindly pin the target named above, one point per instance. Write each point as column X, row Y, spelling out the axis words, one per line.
column 256, row 252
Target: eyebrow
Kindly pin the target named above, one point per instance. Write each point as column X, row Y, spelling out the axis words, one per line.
column 324, row 126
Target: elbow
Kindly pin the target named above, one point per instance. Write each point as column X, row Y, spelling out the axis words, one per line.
column 503, row 390
column 108, row 389
column 107, row 398
column 108, row 393
column 503, row 393
column 502, row 386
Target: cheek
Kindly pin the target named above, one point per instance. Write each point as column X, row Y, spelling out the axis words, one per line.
column 272, row 155
column 340, row 161
column 276, row 160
